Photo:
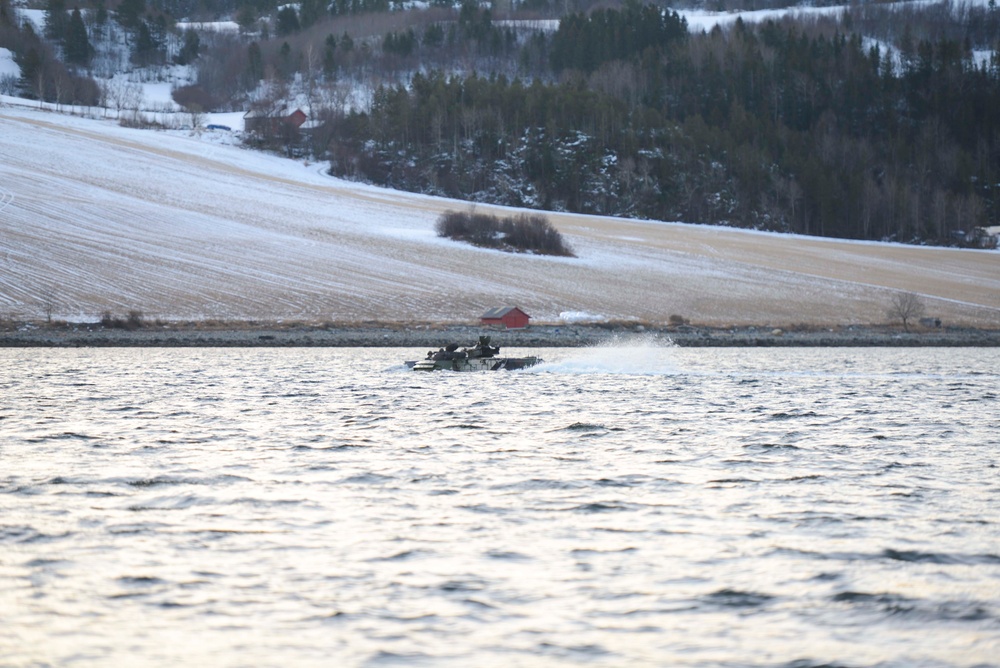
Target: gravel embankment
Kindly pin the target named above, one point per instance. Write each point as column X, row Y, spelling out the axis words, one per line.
column 439, row 336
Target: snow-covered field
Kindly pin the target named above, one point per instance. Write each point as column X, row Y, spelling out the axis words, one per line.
column 97, row 217
column 8, row 68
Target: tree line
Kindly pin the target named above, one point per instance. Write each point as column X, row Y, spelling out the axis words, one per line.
column 797, row 126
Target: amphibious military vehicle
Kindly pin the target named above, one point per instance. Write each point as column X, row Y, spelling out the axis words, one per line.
column 480, row 357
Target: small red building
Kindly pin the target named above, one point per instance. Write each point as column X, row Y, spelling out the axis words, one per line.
column 510, row 317
column 264, row 121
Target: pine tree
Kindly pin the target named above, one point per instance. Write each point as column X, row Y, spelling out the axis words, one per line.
column 55, row 20
column 288, row 21
column 189, row 51
column 330, row 55
column 6, row 14
column 77, row 44
column 32, row 64
column 311, row 11
column 147, row 49
column 129, row 14
column 246, row 17
column 434, row 35
column 255, row 65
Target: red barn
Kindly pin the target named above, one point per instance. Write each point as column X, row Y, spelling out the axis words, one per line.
column 511, row 317
column 270, row 121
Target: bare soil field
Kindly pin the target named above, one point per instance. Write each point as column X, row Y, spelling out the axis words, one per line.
column 96, row 218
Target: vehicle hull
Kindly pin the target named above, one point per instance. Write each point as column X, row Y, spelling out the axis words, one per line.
column 475, row 364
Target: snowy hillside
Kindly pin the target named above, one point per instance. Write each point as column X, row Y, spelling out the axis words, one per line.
column 96, row 217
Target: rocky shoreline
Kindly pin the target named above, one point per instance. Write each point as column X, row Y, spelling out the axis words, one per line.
column 435, row 336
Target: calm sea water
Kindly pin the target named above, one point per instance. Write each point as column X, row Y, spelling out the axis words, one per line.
column 621, row 506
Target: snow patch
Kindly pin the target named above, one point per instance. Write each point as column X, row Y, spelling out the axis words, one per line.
column 579, row 317
column 36, row 16
column 699, row 20
column 8, row 68
column 209, row 26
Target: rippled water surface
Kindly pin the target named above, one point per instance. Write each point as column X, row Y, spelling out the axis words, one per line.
column 624, row 506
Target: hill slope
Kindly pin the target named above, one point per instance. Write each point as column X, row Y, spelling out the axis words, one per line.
column 96, row 217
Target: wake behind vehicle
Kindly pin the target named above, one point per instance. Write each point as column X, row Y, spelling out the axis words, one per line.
column 480, row 357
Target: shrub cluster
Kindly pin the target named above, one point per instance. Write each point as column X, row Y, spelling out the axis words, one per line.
column 195, row 98
column 133, row 321
column 522, row 233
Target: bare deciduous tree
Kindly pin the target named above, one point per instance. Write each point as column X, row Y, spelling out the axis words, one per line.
column 48, row 306
column 906, row 306
column 120, row 95
column 197, row 117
